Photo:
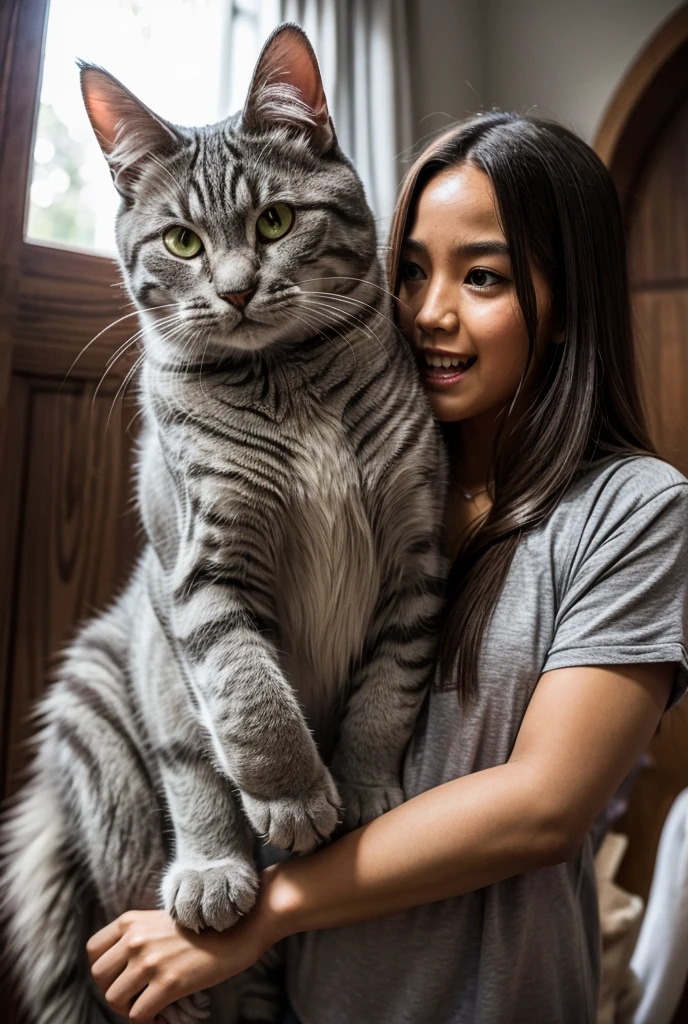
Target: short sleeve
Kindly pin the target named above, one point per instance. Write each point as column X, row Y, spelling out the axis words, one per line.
column 626, row 600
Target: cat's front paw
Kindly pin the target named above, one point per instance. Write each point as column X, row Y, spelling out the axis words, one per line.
column 188, row 1010
column 362, row 802
column 296, row 823
column 213, row 895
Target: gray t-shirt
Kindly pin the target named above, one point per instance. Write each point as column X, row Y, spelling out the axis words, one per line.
column 601, row 582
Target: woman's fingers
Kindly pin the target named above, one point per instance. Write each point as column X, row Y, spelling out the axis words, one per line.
column 110, row 965
column 153, row 1000
column 101, row 941
column 124, row 990
column 144, row 962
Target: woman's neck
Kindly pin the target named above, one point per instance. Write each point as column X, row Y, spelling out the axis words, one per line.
column 471, row 448
column 468, row 501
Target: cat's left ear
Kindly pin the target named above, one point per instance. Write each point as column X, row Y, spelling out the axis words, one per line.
column 128, row 132
column 286, row 89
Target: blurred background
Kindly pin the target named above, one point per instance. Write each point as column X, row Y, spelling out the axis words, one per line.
column 396, row 72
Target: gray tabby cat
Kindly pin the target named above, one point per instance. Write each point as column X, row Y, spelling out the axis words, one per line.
column 291, row 485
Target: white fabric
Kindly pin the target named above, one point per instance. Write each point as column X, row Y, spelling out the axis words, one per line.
column 620, row 917
column 362, row 49
column 660, row 959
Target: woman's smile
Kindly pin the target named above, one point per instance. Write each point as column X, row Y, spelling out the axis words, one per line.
column 441, row 369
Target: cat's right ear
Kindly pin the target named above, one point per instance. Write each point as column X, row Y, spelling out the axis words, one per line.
column 126, row 129
column 287, row 90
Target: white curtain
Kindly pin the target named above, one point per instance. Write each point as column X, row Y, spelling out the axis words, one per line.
column 362, row 49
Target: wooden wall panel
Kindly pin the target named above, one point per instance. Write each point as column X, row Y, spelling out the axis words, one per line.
column 661, row 330
column 657, row 787
column 657, row 223
column 72, row 313
column 12, row 472
column 76, row 542
column 658, row 239
column 66, row 538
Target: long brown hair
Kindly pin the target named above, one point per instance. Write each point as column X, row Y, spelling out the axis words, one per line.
column 557, row 205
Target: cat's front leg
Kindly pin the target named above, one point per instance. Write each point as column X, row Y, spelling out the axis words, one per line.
column 387, row 692
column 259, row 736
column 300, row 822
column 261, row 740
column 212, row 879
column 405, row 479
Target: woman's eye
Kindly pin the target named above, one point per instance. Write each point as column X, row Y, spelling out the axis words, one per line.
column 481, row 278
column 411, row 272
column 274, row 222
column 182, row 242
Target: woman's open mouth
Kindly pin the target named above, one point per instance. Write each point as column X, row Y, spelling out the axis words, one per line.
column 444, row 370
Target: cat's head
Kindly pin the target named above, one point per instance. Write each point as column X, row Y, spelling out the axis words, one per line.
column 229, row 234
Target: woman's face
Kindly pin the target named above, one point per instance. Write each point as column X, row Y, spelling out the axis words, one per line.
column 458, row 303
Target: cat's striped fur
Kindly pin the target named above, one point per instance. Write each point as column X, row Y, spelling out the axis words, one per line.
column 291, row 483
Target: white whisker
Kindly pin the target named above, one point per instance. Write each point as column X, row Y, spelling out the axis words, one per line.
column 312, row 322
column 113, row 358
column 361, row 280
column 122, row 386
column 129, row 343
column 139, row 412
column 113, row 324
column 351, row 318
column 357, row 302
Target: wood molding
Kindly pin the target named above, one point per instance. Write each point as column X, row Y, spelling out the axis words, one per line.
column 643, row 101
column 672, row 35
column 68, row 532
column 22, row 38
column 642, row 140
column 20, row 85
column 70, row 306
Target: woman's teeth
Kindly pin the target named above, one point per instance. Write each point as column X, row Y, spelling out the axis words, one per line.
column 447, row 362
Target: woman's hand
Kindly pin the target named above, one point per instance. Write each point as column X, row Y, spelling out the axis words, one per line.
column 143, row 961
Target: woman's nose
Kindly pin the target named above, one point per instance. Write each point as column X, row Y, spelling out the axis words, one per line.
column 438, row 313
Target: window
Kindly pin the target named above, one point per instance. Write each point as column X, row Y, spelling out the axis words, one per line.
column 189, row 60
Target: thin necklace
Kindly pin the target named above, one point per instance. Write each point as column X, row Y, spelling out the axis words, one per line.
column 466, row 495
column 470, row 497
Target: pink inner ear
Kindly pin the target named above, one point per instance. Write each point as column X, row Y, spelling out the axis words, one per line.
column 104, row 115
column 290, row 61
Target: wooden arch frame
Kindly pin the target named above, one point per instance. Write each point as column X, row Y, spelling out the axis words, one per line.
column 647, row 98
column 643, row 101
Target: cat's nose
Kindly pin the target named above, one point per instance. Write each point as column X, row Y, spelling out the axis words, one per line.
column 239, row 299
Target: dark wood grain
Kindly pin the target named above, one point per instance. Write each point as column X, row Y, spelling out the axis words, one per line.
column 76, row 538
column 65, row 300
column 23, row 25
column 67, row 532
column 661, row 328
column 643, row 141
column 643, row 102
column 657, row 224
column 658, row 212
column 12, row 471
column 641, row 99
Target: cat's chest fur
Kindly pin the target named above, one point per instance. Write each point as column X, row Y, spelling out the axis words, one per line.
column 324, row 562
column 327, row 572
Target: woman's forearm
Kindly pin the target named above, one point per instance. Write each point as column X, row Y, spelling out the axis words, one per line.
column 460, row 836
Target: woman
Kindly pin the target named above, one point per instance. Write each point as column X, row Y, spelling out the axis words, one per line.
column 564, row 639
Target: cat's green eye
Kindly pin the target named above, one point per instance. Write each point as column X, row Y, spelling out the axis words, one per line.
column 182, row 242
column 274, row 222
